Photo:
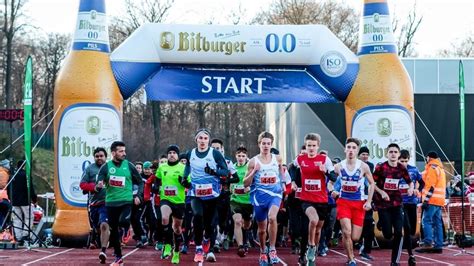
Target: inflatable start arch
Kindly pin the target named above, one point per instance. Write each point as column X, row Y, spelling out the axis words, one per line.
column 286, row 63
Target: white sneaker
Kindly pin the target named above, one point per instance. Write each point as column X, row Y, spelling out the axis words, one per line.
column 210, row 257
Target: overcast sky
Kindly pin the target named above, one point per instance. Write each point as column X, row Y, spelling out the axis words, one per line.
column 444, row 21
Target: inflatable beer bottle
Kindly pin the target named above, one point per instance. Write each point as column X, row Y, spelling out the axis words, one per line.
column 379, row 108
column 90, row 107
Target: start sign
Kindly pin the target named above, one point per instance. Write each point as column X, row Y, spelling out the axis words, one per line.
column 11, row 115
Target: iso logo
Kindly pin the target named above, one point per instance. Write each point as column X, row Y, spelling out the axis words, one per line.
column 333, row 64
column 75, row 190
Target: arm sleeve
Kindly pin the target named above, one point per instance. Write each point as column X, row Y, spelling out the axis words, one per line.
column 86, row 185
column 406, row 176
column 137, row 180
column 328, row 164
column 187, row 167
column 222, row 169
column 102, row 175
column 234, row 178
column 337, row 185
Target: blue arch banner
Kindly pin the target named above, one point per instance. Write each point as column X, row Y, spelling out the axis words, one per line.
column 305, row 63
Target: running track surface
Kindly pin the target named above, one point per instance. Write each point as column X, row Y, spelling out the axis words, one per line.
column 148, row 256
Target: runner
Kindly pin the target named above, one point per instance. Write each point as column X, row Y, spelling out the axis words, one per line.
column 353, row 174
column 409, row 202
column 314, row 169
column 220, row 236
column 172, row 196
column 388, row 201
column 240, row 205
column 205, row 167
column 264, row 176
column 117, row 177
column 97, row 209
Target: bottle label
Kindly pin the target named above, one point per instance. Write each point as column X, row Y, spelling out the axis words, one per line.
column 376, row 34
column 378, row 126
column 91, row 33
column 82, row 128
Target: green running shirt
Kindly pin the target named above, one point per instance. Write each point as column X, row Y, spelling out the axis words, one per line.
column 171, row 189
column 237, row 189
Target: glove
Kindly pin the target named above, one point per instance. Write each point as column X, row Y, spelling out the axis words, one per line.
column 184, row 182
column 208, row 170
column 155, row 188
column 424, row 206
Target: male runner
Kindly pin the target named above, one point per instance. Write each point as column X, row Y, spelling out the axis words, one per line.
column 117, row 176
column 314, row 168
column 205, row 167
column 388, row 201
column 264, row 176
column 172, row 195
column 97, row 209
column 353, row 174
column 409, row 202
column 240, row 205
column 223, row 205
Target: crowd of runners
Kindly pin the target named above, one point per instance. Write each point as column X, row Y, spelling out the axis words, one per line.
column 204, row 199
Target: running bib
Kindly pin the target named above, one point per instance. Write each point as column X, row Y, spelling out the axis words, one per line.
column 391, row 184
column 117, row 181
column 298, row 193
column 239, row 189
column 404, row 189
column 203, row 190
column 268, row 180
column 312, row 185
column 350, row 186
column 171, row 190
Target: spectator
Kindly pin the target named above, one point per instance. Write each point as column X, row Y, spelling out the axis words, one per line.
column 21, row 206
column 4, row 202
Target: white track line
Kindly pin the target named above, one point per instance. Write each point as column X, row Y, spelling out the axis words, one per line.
column 282, row 262
column 339, row 253
column 430, row 259
column 130, row 253
column 49, row 256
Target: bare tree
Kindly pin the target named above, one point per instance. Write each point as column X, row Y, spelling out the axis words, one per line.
column 342, row 20
column 407, row 32
column 52, row 51
column 11, row 26
column 461, row 48
column 137, row 14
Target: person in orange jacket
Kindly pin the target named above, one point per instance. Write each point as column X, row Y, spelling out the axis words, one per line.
column 433, row 199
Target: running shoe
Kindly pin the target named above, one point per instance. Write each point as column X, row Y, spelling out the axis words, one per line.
column 302, row 261
column 206, row 245
column 102, row 257
column 216, row 248
column 225, row 244
column 241, row 251
column 322, row 253
column 158, row 246
column 366, row 256
column 117, row 262
column 166, row 252
column 411, row 261
column 311, row 254
column 263, row 260
column 273, row 257
column 184, row 249
column 199, row 256
column 139, row 244
column 175, row 258
column 352, row 263
column 210, row 257
column 126, row 237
